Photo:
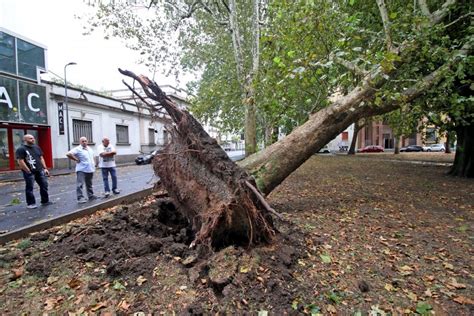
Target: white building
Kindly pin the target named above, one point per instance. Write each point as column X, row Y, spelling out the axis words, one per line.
column 29, row 106
column 131, row 128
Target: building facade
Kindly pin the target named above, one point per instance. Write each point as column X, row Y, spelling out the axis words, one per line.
column 29, row 106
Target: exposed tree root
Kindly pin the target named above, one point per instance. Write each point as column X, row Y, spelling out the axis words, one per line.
column 218, row 198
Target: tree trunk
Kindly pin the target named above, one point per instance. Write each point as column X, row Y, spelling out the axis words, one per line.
column 357, row 128
column 447, row 144
column 219, row 199
column 464, row 159
column 398, row 141
column 250, row 129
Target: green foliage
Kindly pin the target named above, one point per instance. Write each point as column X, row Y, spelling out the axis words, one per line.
column 325, row 258
column 15, row 201
column 118, row 286
column 423, row 308
column 299, row 43
column 334, row 297
column 23, row 244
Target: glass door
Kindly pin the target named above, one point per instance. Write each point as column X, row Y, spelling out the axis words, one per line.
column 4, row 152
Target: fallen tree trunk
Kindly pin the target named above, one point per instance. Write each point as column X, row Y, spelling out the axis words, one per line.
column 273, row 164
column 218, row 198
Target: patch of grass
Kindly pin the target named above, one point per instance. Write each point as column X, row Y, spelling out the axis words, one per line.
column 23, row 244
column 15, row 284
column 463, row 228
column 15, row 201
column 334, row 297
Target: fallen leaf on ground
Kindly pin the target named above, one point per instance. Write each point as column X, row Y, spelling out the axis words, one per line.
column 456, row 285
column 463, row 300
column 140, row 280
column 389, row 287
column 98, row 306
column 74, row 283
column 124, row 305
column 448, row 266
column 331, row 309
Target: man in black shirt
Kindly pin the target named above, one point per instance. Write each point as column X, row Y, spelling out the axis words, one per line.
column 30, row 159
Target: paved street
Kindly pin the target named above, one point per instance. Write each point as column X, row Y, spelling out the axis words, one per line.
column 62, row 190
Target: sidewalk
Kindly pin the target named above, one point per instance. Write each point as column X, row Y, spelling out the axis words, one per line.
column 15, row 175
column 62, row 191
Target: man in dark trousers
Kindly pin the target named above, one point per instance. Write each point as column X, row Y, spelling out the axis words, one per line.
column 31, row 161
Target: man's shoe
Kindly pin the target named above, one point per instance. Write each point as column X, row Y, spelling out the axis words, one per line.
column 32, row 206
column 47, row 203
column 93, row 197
column 106, row 194
column 116, row 191
column 81, row 201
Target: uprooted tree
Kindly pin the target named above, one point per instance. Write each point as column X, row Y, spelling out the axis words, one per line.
column 222, row 201
column 219, row 199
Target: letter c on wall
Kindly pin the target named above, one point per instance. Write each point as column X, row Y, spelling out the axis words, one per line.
column 30, row 106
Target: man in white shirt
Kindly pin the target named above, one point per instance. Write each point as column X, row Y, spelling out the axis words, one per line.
column 107, row 165
column 83, row 155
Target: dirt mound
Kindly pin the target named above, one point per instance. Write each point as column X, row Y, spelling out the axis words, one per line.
column 135, row 239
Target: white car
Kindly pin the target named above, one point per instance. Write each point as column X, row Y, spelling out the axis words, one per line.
column 434, row 147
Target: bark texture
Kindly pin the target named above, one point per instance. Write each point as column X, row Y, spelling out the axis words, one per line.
column 464, row 159
column 357, row 127
column 217, row 197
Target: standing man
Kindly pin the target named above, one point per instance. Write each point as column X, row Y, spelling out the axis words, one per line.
column 30, row 159
column 107, row 165
column 83, row 155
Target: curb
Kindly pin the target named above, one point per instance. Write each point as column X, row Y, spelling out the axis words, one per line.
column 25, row 231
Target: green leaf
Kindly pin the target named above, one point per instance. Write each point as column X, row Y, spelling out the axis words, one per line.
column 294, row 305
column 291, row 53
column 15, row 201
column 277, row 60
column 333, row 297
column 423, row 308
column 325, row 258
column 393, row 15
column 352, row 2
column 118, row 286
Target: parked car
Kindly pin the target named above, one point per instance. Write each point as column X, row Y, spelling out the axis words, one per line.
column 324, row 150
column 434, row 147
column 144, row 158
column 411, row 148
column 371, row 149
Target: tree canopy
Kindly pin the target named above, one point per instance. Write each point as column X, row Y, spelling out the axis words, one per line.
column 308, row 54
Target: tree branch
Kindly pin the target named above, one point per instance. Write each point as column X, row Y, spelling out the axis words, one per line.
column 215, row 16
column 442, row 12
column 234, row 26
column 349, row 65
column 386, row 23
column 459, row 19
column 262, row 199
column 424, row 9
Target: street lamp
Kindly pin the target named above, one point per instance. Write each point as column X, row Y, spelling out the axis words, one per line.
column 67, row 112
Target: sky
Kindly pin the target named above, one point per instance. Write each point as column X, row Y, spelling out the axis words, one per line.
column 51, row 23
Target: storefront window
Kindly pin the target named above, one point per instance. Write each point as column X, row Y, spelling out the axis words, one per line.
column 33, row 103
column 8, row 100
column 7, row 53
column 29, row 57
